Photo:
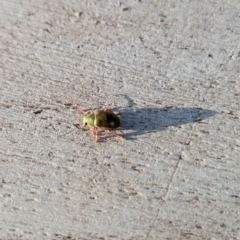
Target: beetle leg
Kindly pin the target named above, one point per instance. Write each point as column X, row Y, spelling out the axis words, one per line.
column 96, row 136
column 114, row 133
column 80, row 110
column 95, row 133
column 107, row 109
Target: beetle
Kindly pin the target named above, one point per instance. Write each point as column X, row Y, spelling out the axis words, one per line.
column 105, row 119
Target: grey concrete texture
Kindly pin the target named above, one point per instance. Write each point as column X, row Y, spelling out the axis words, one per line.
column 171, row 68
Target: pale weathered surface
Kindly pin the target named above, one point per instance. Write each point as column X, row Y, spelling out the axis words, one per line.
column 171, row 68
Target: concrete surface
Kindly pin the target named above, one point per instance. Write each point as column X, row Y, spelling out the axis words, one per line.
column 172, row 68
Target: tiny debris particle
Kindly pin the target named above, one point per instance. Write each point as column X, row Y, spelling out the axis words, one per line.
column 80, row 14
column 198, row 226
column 138, row 168
column 38, row 111
column 236, row 196
column 93, row 197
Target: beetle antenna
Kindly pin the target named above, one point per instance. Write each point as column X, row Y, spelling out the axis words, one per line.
column 76, row 126
column 66, row 133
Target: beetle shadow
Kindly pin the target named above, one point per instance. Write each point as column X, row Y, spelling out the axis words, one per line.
column 145, row 120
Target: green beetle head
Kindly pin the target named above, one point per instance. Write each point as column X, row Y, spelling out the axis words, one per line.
column 89, row 120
